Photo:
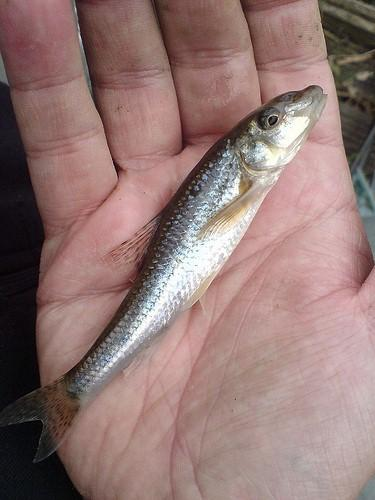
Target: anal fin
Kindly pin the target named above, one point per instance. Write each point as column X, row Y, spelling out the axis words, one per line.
column 201, row 290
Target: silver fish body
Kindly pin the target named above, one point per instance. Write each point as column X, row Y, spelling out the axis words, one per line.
column 193, row 238
column 179, row 260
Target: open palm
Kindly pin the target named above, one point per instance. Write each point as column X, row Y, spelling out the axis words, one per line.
column 265, row 389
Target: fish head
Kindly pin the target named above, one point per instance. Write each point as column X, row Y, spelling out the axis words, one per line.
column 273, row 134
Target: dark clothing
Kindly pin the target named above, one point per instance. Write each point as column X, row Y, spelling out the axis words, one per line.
column 21, row 237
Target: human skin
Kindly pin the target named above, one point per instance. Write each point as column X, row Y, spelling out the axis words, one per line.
column 265, row 391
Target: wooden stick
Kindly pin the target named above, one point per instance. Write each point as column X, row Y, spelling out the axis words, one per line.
column 355, row 26
column 355, row 58
column 356, row 6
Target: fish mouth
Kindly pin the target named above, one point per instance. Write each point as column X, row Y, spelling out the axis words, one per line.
column 309, row 101
column 319, row 100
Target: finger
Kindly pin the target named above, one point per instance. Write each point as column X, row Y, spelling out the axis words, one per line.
column 316, row 190
column 70, row 164
column 131, row 78
column 290, row 53
column 210, row 52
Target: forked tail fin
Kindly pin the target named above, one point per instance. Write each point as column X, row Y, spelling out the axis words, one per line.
column 53, row 405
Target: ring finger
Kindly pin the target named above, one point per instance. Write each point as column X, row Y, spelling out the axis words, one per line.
column 131, row 78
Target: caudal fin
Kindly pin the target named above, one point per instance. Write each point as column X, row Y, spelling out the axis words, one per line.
column 53, row 405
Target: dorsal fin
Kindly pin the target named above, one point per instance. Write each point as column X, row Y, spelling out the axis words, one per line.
column 132, row 251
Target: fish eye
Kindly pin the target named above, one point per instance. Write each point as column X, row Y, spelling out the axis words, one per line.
column 268, row 119
column 272, row 120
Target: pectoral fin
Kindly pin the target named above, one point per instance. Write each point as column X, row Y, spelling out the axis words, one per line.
column 132, row 251
column 229, row 216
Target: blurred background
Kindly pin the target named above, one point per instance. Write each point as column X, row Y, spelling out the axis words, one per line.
column 349, row 27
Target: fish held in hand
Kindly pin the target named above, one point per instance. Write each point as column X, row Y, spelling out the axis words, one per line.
column 181, row 251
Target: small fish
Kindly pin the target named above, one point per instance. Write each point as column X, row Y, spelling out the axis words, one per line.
column 181, row 250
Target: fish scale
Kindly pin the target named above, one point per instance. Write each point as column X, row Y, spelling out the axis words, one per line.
column 174, row 268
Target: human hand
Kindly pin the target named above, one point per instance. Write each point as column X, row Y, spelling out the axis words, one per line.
column 266, row 391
